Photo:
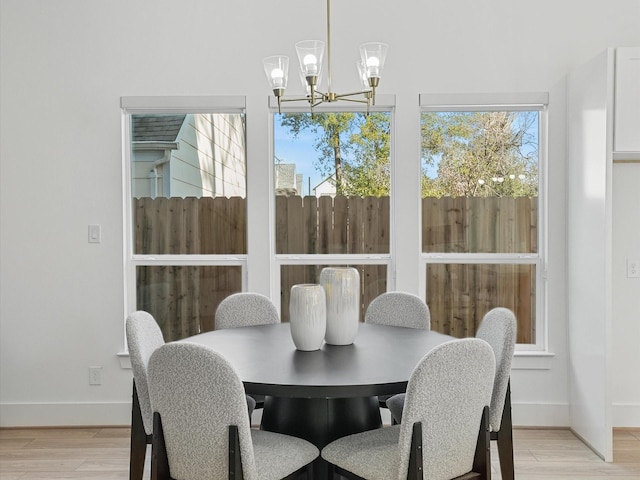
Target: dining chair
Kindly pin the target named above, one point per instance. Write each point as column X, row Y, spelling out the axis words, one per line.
column 498, row 328
column 245, row 309
column 201, row 428
column 143, row 338
column 444, row 434
column 399, row 309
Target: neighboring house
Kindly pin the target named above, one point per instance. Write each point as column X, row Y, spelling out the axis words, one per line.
column 287, row 181
column 189, row 155
column 326, row 188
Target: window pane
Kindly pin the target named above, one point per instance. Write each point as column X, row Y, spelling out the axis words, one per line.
column 188, row 183
column 372, row 283
column 332, row 177
column 459, row 295
column 480, row 181
column 183, row 299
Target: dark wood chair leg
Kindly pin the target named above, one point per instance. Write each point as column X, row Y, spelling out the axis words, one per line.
column 482, row 458
column 139, row 440
column 159, row 459
column 415, row 455
column 504, row 439
column 235, row 460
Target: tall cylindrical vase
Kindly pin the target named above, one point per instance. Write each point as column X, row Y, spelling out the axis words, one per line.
column 342, row 286
column 308, row 316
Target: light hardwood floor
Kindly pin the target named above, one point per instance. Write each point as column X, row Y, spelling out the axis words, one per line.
column 103, row 453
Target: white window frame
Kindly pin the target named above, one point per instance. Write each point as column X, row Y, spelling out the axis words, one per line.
column 504, row 102
column 161, row 105
column 384, row 103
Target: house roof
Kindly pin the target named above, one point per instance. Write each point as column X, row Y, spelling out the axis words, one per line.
column 156, row 128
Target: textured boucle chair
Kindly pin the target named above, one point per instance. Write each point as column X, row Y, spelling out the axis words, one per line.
column 143, row 338
column 399, row 309
column 444, row 434
column 498, row 328
column 201, row 428
column 243, row 310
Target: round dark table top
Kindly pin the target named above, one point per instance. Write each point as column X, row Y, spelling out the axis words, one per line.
column 379, row 362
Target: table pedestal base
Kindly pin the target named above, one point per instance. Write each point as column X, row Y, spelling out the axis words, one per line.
column 320, row 420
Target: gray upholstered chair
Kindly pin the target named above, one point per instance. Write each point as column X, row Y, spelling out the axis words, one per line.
column 498, row 328
column 399, row 309
column 201, row 428
column 445, row 432
column 245, row 309
column 143, row 338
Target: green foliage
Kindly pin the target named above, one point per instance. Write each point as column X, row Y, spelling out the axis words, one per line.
column 479, row 154
column 353, row 146
column 463, row 153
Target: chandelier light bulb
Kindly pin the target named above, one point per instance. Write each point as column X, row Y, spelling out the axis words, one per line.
column 277, row 75
column 373, row 67
column 311, row 64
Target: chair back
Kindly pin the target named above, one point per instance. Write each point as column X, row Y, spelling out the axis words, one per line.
column 143, row 338
column 400, row 309
column 245, row 309
column 498, row 328
column 198, row 395
column 447, row 393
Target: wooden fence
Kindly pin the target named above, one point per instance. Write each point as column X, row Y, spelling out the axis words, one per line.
column 184, row 298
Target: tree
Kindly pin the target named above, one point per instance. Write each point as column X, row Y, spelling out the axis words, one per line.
column 353, row 146
column 479, row 154
column 330, row 129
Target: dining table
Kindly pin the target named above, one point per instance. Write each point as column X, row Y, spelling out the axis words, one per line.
column 324, row 394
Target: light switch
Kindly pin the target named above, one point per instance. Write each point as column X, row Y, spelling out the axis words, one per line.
column 95, row 235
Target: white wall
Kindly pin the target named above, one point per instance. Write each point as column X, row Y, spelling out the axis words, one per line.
column 70, row 61
column 626, row 295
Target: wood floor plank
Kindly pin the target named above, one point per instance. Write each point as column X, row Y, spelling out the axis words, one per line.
column 103, row 454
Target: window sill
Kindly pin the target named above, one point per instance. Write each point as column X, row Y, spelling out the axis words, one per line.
column 532, row 360
column 125, row 362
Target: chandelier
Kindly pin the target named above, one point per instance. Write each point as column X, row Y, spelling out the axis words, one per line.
column 310, row 56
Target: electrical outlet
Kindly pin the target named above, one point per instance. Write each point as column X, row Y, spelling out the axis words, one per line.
column 95, row 375
column 633, row 268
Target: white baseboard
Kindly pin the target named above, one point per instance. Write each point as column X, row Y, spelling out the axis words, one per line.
column 65, row 414
column 626, row 415
column 540, row 415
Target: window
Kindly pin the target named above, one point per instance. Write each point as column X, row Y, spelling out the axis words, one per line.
column 332, row 172
column 482, row 210
column 185, row 170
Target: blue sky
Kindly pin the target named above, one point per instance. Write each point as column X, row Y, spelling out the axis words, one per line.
column 299, row 151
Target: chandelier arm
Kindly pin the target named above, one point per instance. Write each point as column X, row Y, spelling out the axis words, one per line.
column 352, row 94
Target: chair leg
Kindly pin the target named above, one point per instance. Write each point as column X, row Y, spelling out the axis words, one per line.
column 235, row 460
column 139, row 440
column 482, row 457
column 505, row 440
column 159, row 459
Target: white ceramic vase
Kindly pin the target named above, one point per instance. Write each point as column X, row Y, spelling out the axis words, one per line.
column 342, row 287
column 307, row 316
